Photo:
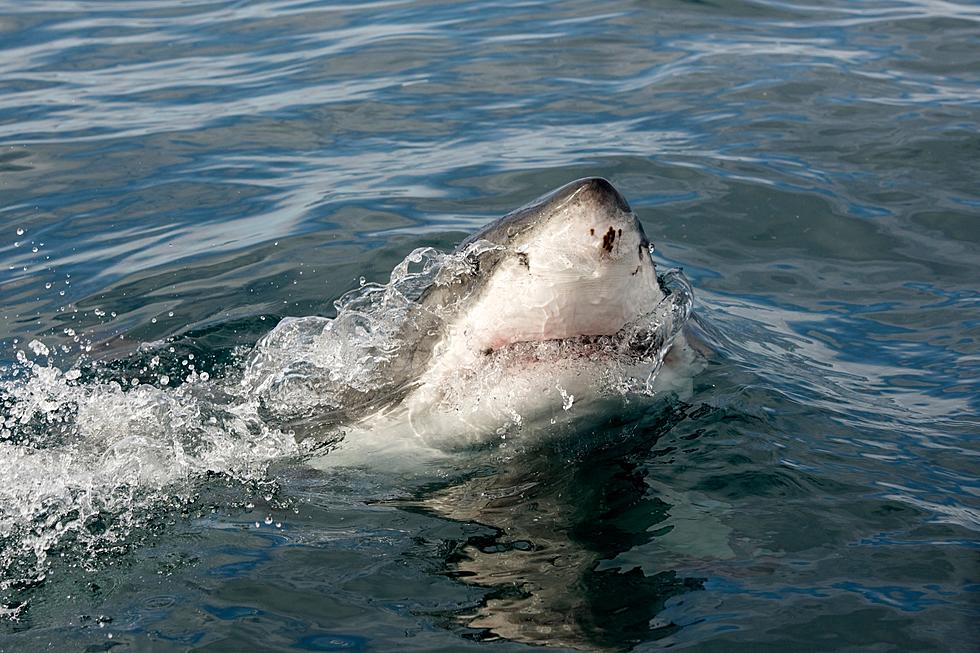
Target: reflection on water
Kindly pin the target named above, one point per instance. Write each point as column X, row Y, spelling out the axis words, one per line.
column 554, row 527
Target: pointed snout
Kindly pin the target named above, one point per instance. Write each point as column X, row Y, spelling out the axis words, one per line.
column 598, row 192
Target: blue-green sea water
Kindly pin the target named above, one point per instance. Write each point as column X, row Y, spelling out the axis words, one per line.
column 176, row 176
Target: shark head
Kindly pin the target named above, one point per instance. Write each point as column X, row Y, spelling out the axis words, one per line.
column 574, row 262
column 556, row 304
column 561, row 304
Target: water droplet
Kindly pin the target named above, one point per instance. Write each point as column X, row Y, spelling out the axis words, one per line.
column 38, row 348
column 47, row 286
column 170, row 314
column 20, row 231
column 153, row 320
column 268, row 519
column 164, row 379
column 205, row 376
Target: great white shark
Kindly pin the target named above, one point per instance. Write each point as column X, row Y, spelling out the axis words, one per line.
column 547, row 322
column 548, row 316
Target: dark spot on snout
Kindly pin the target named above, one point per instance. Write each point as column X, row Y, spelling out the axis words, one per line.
column 524, row 260
column 592, row 232
column 636, row 271
column 487, row 351
column 609, row 239
column 640, row 250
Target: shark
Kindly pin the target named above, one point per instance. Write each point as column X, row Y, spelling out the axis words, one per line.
column 545, row 319
column 545, row 337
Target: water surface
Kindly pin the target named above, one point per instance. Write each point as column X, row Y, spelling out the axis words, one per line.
column 175, row 177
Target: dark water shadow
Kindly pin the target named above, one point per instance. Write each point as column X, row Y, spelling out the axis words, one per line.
column 554, row 520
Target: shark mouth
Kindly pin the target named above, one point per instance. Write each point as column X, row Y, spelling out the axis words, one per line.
column 644, row 340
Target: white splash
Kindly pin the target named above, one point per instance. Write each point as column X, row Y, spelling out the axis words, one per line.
column 85, row 464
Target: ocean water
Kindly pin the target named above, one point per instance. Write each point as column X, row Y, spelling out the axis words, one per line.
column 178, row 176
